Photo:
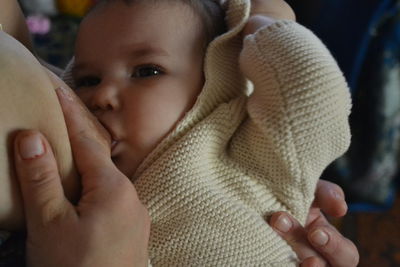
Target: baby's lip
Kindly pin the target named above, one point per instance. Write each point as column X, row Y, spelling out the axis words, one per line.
column 114, row 143
column 115, row 148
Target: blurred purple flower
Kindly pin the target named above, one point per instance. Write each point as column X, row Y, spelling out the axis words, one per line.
column 38, row 24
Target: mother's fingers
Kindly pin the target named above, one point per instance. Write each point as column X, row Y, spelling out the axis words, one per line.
column 319, row 244
column 337, row 250
column 91, row 149
column 39, row 179
column 89, row 140
column 290, row 230
column 329, row 197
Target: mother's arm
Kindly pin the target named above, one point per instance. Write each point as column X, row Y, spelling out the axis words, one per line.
column 13, row 22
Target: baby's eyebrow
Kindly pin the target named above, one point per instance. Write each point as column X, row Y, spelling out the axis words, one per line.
column 139, row 50
column 76, row 68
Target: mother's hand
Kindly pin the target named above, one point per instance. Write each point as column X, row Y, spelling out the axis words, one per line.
column 108, row 227
column 319, row 243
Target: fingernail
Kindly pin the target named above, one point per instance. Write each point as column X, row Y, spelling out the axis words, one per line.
column 31, row 146
column 283, row 223
column 319, row 238
column 336, row 195
column 65, row 93
column 340, row 197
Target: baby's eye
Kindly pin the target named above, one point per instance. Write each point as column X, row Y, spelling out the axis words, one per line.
column 87, row 81
column 146, row 71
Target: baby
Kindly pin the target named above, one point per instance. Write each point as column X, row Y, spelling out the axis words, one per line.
column 209, row 158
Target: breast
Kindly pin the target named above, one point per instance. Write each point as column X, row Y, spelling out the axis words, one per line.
column 28, row 101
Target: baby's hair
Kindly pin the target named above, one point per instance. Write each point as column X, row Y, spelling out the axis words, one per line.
column 211, row 14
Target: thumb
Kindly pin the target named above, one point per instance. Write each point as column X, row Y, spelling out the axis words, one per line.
column 39, row 180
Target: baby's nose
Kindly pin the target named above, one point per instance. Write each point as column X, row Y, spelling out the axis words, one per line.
column 106, row 97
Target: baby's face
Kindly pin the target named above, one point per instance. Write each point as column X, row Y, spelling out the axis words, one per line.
column 138, row 68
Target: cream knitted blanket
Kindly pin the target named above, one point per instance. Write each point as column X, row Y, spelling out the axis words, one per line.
column 234, row 159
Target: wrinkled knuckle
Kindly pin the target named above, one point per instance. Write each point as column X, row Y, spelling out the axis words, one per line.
column 41, row 176
column 83, row 135
column 51, row 212
column 86, row 135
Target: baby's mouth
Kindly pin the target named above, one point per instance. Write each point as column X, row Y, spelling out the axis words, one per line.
column 114, row 143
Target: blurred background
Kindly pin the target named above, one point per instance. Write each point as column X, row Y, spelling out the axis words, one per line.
column 364, row 37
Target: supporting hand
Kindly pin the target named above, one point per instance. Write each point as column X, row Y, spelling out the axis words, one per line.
column 108, row 227
column 319, row 243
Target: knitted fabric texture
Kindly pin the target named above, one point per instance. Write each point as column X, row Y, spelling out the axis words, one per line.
column 234, row 159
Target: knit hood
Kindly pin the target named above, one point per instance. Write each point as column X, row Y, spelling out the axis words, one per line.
column 223, row 80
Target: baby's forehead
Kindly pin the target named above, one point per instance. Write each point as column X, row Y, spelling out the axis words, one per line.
column 132, row 12
column 164, row 23
column 177, row 5
column 208, row 14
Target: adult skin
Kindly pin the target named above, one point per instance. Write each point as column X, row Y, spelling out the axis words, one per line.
column 28, row 101
column 318, row 243
column 13, row 21
column 108, row 227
